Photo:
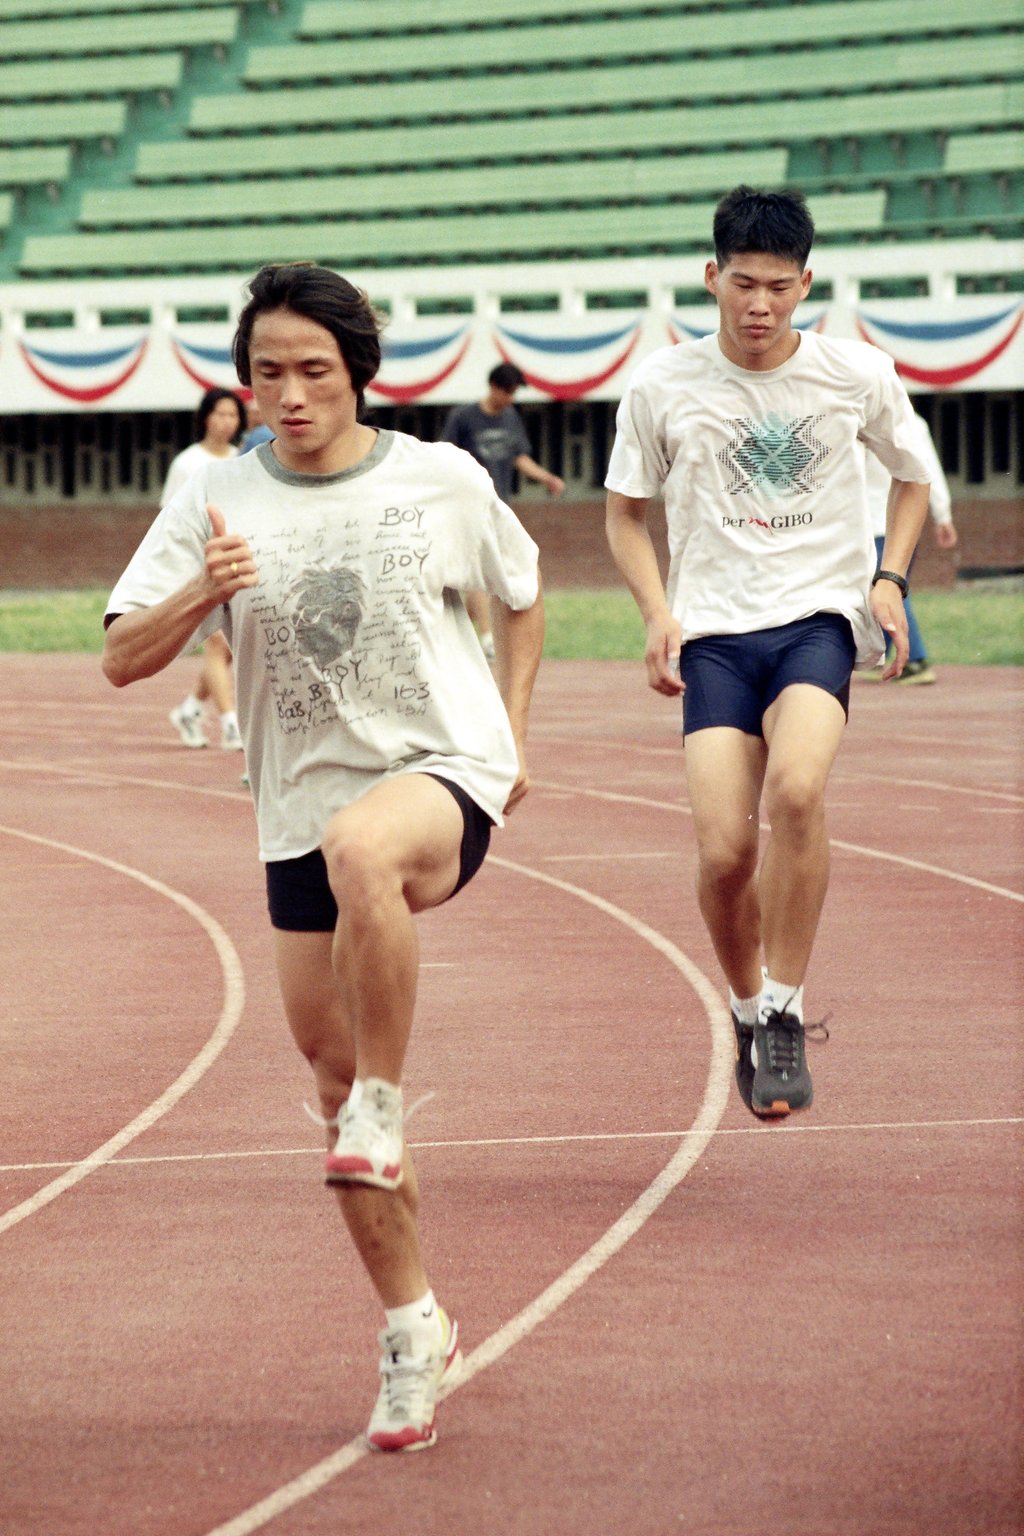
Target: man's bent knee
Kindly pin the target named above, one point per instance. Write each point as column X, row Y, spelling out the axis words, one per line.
column 794, row 800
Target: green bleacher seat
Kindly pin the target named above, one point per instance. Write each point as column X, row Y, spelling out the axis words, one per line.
column 391, row 241
column 580, row 134
column 62, row 123
column 705, row 29
column 25, row 10
column 632, row 179
column 985, row 152
column 34, row 166
column 118, row 74
column 951, row 107
column 60, row 36
column 752, row 74
column 326, row 18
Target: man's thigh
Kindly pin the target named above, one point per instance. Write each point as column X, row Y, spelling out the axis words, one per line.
column 724, row 774
column 803, row 728
column 407, row 829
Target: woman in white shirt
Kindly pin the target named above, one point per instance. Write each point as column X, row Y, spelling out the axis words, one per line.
column 220, row 418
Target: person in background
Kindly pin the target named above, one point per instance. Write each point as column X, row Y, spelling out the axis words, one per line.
column 940, row 505
column 258, row 431
column 219, row 420
column 492, row 430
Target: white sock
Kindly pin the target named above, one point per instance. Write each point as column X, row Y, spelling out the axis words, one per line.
column 745, row 1008
column 782, row 997
column 192, row 706
column 421, row 1320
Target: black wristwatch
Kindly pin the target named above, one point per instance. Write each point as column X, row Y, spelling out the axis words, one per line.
column 901, row 581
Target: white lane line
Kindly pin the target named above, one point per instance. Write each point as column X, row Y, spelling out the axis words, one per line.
column 716, row 1093
column 617, row 858
column 231, row 1013
column 476, row 1144
column 836, row 842
column 103, row 780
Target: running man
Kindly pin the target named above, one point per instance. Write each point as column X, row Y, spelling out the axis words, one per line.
column 380, row 750
column 751, row 435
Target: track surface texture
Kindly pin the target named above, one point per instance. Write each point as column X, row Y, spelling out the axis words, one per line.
column 675, row 1318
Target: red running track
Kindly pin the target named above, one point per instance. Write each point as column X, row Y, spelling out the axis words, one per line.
column 676, row 1319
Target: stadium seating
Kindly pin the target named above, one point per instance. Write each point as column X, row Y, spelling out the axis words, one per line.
column 147, row 136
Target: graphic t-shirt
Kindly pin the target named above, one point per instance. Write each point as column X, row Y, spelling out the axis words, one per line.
column 763, row 479
column 354, row 656
column 494, row 441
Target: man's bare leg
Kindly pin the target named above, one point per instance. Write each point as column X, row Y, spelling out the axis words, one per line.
column 803, row 728
column 724, row 772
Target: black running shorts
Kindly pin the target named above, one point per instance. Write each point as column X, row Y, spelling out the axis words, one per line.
column 299, row 894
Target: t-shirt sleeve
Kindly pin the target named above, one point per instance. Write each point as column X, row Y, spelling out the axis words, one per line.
column 492, row 550
column 639, row 464
column 889, row 428
column 172, row 552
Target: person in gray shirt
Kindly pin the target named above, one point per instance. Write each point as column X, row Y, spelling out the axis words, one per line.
column 492, row 430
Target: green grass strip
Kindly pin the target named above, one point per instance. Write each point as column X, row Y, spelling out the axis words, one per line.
column 963, row 627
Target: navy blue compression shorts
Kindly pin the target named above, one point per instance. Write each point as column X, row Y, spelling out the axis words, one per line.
column 299, row 893
column 733, row 679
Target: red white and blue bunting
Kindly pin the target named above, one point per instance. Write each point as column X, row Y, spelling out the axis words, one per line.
column 417, row 367
column 971, row 343
column 209, row 366
column 84, row 376
column 947, row 353
column 569, row 364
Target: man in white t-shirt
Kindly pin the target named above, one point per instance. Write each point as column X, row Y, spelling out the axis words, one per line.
column 379, row 748
column 753, row 436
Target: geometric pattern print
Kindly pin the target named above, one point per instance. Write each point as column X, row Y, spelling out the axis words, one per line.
column 773, row 457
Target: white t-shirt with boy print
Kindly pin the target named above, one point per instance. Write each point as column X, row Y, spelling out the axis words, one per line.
column 763, row 479
column 354, row 656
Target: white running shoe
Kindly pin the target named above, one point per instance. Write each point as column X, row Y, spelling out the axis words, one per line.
column 410, row 1386
column 189, row 727
column 231, row 737
column 370, row 1140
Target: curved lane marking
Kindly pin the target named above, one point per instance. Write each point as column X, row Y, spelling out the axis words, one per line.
column 713, row 1104
column 231, row 1013
column 836, row 842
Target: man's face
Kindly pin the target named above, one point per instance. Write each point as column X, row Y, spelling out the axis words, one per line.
column 756, row 296
column 303, row 390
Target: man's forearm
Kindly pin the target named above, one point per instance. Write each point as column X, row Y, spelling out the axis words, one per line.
column 518, row 643
column 633, row 552
column 905, row 519
column 145, row 640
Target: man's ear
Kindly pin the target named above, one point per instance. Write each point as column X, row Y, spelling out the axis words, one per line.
column 711, row 278
column 805, row 282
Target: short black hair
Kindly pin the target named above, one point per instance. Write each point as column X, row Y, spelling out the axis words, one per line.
column 775, row 223
column 321, row 295
column 506, row 376
column 209, row 403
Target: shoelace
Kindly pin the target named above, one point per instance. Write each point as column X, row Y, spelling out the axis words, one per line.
column 783, row 1038
column 404, row 1379
column 332, row 1124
